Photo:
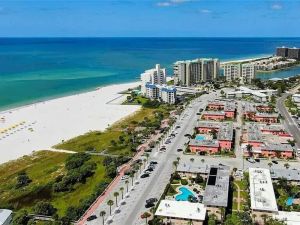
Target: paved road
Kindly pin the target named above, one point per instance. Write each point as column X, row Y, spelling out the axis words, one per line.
column 288, row 120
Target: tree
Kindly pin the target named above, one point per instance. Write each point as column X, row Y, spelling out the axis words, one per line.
column 145, row 216
column 144, row 160
column 44, row 208
column 202, row 160
column 110, row 203
column 102, row 214
column 192, row 159
column 270, row 164
column 286, row 165
column 271, row 221
column 249, row 148
column 132, row 176
column 116, row 194
column 212, row 220
column 126, row 182
column 175, row 164
column 147, row 156
column 22, row 180
column 122, row 191
column 214, row 133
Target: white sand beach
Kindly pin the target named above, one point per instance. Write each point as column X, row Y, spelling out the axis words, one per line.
column 40, row 126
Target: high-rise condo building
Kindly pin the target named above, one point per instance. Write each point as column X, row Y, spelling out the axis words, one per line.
column 193, row 72
column 294, row 53
column 156, row 75
column 282, row 51
column 244, row 73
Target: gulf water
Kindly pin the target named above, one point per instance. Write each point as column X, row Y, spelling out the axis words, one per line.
column 36, row 69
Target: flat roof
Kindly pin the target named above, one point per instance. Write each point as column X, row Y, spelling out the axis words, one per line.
column 4, row 215
column 289, row 174
column 290, row 218
column 225, row 131
column 181, row 209
column 272, row 115
column 261, row 190
column 192, row 168
column 218, row 113
column 277, row 147
column 217, row 187
column 209, row 143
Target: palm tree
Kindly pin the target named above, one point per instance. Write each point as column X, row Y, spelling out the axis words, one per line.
column 192, row 159
column 249, row 148
column 147, row 156
column 175, row 163
column 178, row 159
column 126, row 182
column 286, row 165
column 145, row 216
column 102, row 214
column 110, row 203
column 116, row 194
column 132, row 176
column 270, row 164
column 202, row 160
column 144, row 160
column 122, row 191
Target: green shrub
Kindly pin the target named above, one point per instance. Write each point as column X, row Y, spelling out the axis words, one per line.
column 184, row 182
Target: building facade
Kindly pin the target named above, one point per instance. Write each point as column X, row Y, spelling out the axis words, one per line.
column 243, row 73
column 193, row 72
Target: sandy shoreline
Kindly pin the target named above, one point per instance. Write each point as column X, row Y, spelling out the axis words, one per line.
column 41, row 125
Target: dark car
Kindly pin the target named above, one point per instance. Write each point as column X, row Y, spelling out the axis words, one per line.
column 148, row 150
column 275, row 162
column 150, row 169
column 92, row 217
column 179, row 150
column 149, row 205
column 153, row 162
column 144, row 175
column 257, row 160
column 151, row 200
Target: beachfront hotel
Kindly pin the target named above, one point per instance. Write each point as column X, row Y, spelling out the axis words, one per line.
column 154, row 86
column 193, row 72
column 244, row 73
column 290, row 53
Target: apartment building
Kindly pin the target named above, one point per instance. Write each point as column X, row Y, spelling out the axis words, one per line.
column 291, row 53
column 244, row 73
column 193, row 72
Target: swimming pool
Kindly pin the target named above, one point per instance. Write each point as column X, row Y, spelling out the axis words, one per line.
column 199, row 137
column 289, row 201
column 185, row 193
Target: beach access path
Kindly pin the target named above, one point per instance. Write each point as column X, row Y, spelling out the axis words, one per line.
column 42, row 125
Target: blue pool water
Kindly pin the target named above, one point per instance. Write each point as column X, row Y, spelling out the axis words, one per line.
column 199, row 137
column 289, row 201
column 185, row 193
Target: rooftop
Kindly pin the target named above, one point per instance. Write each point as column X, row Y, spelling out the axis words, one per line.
column 4, row 215
column 291, row 175
column 181, row 209
column 192, row 168
column 290, row 218
column 218, row 113
column 208, row 143
column 267, row 115
column 277, row 147
column 226, row 131
column 253, row 132
column 217, row 186
column 261, row 190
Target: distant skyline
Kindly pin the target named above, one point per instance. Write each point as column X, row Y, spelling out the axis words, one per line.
column 149, row 18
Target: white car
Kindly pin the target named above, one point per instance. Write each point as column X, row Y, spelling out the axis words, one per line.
column 125, row 177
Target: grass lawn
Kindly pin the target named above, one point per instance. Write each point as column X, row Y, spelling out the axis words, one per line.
column 42, row 168
column 138, row 100
column 102, row 140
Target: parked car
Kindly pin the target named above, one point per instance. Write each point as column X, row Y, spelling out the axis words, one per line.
column 274, row 161
column 144, row 175
column 149, row 169
column 92, row 217
column 251, row 160
column 149, row 205
column 153, row 162
column 151, row 200
column 125, row 177
column 179, row 150
column 257, row 160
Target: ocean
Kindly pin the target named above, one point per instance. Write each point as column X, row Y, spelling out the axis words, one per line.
column 37, row 69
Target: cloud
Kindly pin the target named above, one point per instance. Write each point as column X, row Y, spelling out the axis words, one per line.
column 171, row 3
column 276, row 6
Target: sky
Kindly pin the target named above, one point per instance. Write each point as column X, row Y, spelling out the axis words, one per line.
column 149, row 18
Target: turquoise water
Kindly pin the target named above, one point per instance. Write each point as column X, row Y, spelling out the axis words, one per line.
column 35, row 69
column 289, row 201
column 185, row 193
column 199, row 137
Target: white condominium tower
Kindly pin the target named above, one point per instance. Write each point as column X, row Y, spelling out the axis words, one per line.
column 192, row 72
column 244, row 73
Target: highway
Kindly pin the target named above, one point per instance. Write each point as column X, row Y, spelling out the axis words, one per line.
column 288, row 120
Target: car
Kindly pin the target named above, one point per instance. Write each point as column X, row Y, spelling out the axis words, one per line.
column 198, row 114
column 151, row 200
column 149, row 169
column 144, row 175
column 257, row 160
column 147, row 172
column 220, row 164
column 177, row 127
column 274, row 161
column 251, row 160
column 92, row 217
column 125, row 177
column 148, row 150
column 179, row 150
column 153, row 162
column 149, row 205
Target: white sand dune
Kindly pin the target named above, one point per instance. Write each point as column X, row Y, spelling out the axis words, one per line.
column 42, row 125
